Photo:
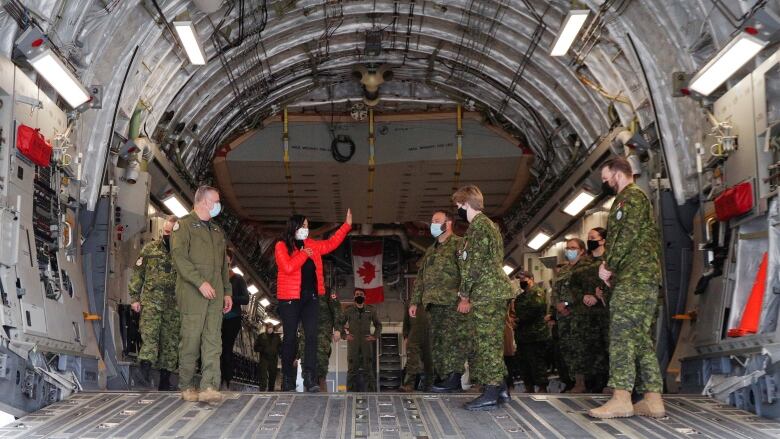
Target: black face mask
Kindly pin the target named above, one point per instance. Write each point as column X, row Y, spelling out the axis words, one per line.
column 167, row 241
column 606, row 189
column 359, row 300
column 463, row 214
column 524, row 285
column 592, row 245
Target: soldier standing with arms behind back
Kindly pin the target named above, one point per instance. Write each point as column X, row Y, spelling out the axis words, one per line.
column 632, row 268
column 436, row 289
column 203, row 292
column 484, row 290
column 152, row 293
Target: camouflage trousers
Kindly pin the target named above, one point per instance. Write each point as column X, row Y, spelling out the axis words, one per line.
column 585, row 343
column 451, row 339
column 531, row 363
column 488, row 367
column 159, row 327
column 632, row 358
column 418, row 348
column 324, row 348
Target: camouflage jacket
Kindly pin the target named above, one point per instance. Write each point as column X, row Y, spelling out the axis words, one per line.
column 198, row 252
column 580, row 279
column 530, row 308
column 330, row 313
column 633, row 241
column 481, row 255
column 154, row 275
column 438, row 277
column 359, row 323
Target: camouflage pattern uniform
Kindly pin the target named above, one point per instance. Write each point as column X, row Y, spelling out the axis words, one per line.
column 360, row 352
column 417, row 332
column 153, row 284
column 436, row 290
column 599, row 333
column 330, row 316
column 198, row 251
column 484, row 282
column 268, row 348
column 634, row 258
column 531, row 336
column 562, row 332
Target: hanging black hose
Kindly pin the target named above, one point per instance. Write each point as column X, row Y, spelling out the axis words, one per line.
column 334, row 148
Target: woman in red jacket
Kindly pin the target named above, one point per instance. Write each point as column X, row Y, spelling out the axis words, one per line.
column 299, row 283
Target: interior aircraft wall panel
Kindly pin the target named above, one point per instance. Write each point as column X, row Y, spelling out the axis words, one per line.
column 6, row 121
column 764, row 116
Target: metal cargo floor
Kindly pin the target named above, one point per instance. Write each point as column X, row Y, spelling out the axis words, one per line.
column 291, row 415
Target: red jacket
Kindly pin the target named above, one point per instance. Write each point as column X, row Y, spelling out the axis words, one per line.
column 288, row 274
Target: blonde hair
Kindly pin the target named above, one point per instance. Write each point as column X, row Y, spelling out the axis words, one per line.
column 469, row 194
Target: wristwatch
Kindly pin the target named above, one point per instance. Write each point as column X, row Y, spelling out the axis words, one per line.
column 462, row 296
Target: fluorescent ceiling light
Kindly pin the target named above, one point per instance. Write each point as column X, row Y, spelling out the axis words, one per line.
column 264, row 302
column 189, row 39
column 252, row 289
column 539, row 240
column 579, row 202
column 238, row 271
column 572, row 24
column 731, row 58
column 53, row 70
column 508, row 269
column 271, row 321
column 174, row 204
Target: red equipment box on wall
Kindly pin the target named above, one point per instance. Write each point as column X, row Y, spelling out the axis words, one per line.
column 734, row 201
column 31, row 143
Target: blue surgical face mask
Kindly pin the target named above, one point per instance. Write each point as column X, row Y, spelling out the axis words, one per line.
column 436, row 230
column 215, row 210
column 572, row 254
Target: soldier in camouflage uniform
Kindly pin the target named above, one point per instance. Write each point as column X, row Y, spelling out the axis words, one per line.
column 578, row 324
column 152, row 293
column 484, row 291
column 436, row 290
column 356, row 322
column 419, row 360
column 531, row 334
column 330, row 316
column 203, row 293
column 632, row 268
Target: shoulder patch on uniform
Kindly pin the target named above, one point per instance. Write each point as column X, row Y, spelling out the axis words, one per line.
column 139, row 262
column 619, row 215
column 176, row 226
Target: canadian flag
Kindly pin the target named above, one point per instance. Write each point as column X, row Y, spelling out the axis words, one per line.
column 367, row 265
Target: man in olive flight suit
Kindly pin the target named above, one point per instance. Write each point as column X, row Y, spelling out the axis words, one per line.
column 356, row 322
column 436, row 290
column 632, row 268
column 152, row 293
column 203, row 293
column 268, row 347
column 485, row 290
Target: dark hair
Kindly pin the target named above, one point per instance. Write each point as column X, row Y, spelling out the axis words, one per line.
column 361, row 290
column 294, row 223
column 601, row 231
column 447, row 215
column 230, row 255
column 619, row 164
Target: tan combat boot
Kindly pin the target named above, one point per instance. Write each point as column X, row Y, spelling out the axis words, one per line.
column 651, row 406
column 323, row 385
column 190, row 395
column 210, row 396
column 618, row 407
column 579, row 384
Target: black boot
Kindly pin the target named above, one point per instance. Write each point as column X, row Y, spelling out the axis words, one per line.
column 165, row 381
column 424, row 383
column 448, row 385
column 504, row 395
column 144, row 375
column 309, row 383
column 488, row 400
column 288, row 383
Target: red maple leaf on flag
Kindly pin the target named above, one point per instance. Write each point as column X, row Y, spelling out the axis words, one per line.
column 367, row 271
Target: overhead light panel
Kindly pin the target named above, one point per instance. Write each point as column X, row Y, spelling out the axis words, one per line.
column 508, row 269
column 238, row 271
column 189, row 39
column 581, row 201
column 264, row 302
column 271, row 321
column 174, row 204
column 572, row 24
column 253, row 290
column 731, row 58
column 54, row 71
column 539, row 240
